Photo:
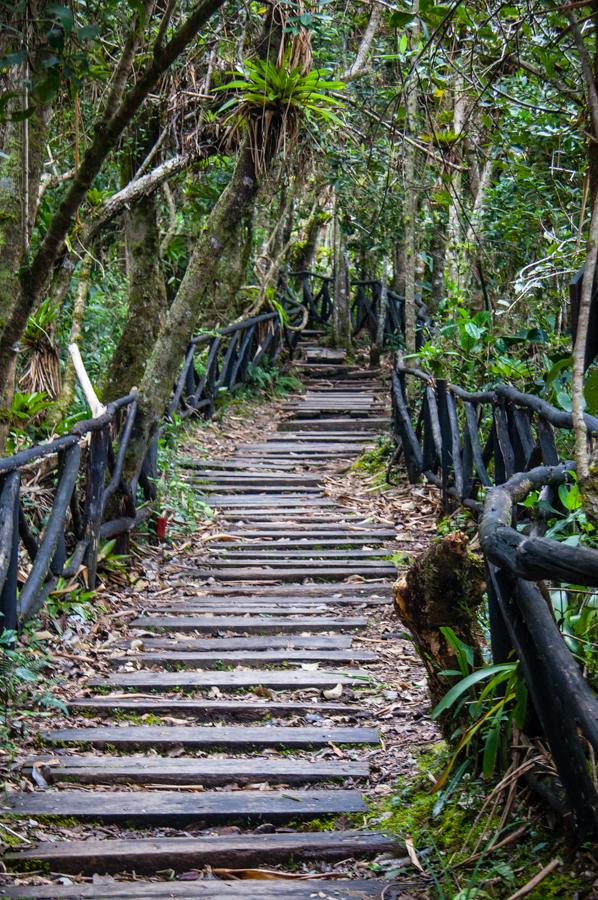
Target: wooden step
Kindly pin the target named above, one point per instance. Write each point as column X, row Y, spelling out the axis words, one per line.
column 255, row 625
column 282, row 552
column 297, row 573
column 373, row 423
column 277, row 679
column 206, row 660
column 163, row 807
column 149, row 855
column 262, row 642
column 212, row 889
column 242, row 710
column 209, row 772
column 210, row 737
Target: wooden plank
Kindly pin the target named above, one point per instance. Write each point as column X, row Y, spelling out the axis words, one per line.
column 211, row 737
column 278, row 679
column 250, row 491
column 381, row 588
column 211, row 889
column 219, row 851
column 209, row 772
column 297, row 543
column 264, row 605
column 255, row 625
column 213, row 710
column 172, row 807
column 290, row 559
column 341, row 553
column 256, row 501
column 298, row 572
column 223, row 658
column 379, row 423
column 263, row 642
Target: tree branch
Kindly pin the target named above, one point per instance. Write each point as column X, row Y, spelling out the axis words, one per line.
column 365, row 46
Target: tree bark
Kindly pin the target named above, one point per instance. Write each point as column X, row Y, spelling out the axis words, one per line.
column 165, row 360
column 107, row 131
column 443, row 588
column 341, row 320
column 410, row 201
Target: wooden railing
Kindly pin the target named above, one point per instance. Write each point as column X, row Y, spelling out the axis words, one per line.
column 314, row 291
column 489, row 450
column 90, row 500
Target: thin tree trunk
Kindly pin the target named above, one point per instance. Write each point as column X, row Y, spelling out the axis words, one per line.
column 342, row 326
column 147, row 300
column 454, row 252
column 63, row 402
column 410, row 203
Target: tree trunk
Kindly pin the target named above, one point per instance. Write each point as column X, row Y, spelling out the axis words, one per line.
column 61, row 407
column 455, row 234
column 443, row 588
column 342, row 325
column 165, row 360
column 410, row 202
column 147, row 300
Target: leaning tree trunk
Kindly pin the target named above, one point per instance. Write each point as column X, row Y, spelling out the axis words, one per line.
column 165, row 360
column 341, row 321
column 147, row 300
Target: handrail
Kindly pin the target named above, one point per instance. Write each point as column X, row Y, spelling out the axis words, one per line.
column 91, row 501
column 441, row 441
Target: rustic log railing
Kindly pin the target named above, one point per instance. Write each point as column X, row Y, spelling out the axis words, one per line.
column 503, row 444
column 316, row 291
column 90, row 500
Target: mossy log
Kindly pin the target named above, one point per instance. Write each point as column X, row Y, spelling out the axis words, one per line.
column 443, row 588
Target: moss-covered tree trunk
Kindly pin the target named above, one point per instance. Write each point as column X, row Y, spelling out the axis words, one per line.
column 165, row 360
column 223, row 301
column 22, row 149
column 443, row 588
column 147, row 302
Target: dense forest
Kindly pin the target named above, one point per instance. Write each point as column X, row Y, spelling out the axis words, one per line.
column 169, row 168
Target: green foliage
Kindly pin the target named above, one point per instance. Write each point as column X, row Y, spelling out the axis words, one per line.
column 23, row 688
column 485, row 713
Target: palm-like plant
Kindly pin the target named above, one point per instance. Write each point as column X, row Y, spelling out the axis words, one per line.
column 271, row 99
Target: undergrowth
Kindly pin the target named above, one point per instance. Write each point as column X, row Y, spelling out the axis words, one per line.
column 465, row 848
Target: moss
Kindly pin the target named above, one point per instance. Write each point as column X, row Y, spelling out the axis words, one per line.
column 448, row 829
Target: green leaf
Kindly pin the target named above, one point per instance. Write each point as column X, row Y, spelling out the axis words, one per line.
column 63, row 14
column 465, row 684
column 400, row 19
column 491, row 745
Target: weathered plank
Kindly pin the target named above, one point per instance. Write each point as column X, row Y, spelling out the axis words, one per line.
column 248, row 625
column 211, row 890
column 207, row 660
column 207, row 771
column 278, row 679
column 297, row 573
column 211, row 736
column 249, row 551
column 165, row 807
column 219, row 851
column 262, row 642
column 241, row 710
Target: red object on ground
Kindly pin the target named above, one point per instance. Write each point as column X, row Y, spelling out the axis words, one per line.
column 161, row 522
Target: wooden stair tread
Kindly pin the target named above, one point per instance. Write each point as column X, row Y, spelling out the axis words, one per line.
column 212, row 736
column 162, row 806
column 262, row 642
column 147, row 855
column 278, row 679
column 250, row 573
column 208, row 771
column 205, row 659
column 241, row 623
column 213, row 710
column 212, row 889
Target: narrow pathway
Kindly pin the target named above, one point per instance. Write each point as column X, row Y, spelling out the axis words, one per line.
column 220, row 709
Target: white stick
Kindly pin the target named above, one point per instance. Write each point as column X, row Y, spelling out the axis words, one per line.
column 97, row 408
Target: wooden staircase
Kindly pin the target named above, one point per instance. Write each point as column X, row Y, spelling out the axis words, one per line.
column 261, row 668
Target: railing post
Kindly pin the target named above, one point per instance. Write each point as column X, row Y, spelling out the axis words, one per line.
column 8, row 593
column 96, row 474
